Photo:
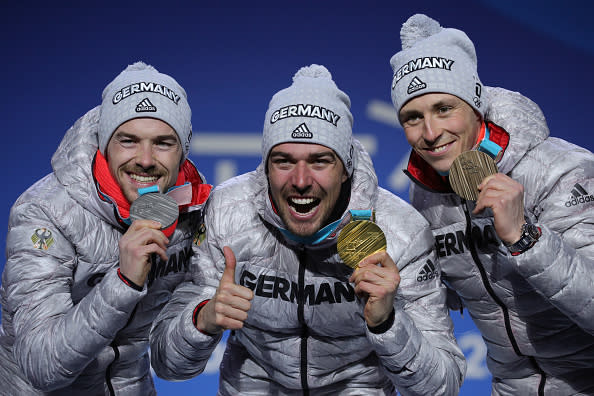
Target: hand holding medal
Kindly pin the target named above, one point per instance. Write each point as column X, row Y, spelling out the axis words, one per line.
column 154, row 218
column 473, row 174
column 362, row 246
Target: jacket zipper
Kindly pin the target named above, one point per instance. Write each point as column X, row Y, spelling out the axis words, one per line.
column 301, row 317
column 116, row 352
column 497, row 300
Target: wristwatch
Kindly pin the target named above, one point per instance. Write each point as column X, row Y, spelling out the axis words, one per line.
column 530, row 235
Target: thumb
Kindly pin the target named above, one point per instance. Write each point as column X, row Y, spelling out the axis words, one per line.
column 229, row 273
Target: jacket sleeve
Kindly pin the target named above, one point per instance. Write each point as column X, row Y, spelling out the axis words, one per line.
column 558, row 180
column 56, row 339
column 419, row 351
column 561, row 264
column 179, row 351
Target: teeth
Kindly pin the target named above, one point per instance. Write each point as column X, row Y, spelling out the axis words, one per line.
column 439, row 149
column 143, row 179
column 302, row 201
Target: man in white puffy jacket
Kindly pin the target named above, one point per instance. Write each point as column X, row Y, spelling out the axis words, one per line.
column 519, row 258
column 301, row 321
column 86, row 272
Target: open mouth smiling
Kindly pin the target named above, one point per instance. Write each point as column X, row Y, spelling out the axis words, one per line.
column 303, row 205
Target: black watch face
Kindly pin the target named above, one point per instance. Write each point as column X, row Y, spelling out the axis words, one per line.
column 532, row 231
column 530, row 234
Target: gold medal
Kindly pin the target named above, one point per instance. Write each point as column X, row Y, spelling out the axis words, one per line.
column 359, row 239
column 468, row 171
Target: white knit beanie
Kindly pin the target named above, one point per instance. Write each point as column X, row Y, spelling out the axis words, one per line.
column 141, row 91
column 312, row 110
column 435, row 59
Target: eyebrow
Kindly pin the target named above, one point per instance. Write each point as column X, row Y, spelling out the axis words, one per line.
column 124, row 134
column 441, row 103
column 435, row 106
column 311, row 156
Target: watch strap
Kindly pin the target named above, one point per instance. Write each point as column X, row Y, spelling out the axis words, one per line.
column 530, row 235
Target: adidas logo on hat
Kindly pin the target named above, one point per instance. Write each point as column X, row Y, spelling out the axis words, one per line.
column 415, row 85
column 145, row 105
column 427, row 272
column 579, row 196
column 302, row 132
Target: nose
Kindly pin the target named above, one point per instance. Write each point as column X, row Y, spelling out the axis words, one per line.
column 144, row 155
column 430, row 130
column 301, row 177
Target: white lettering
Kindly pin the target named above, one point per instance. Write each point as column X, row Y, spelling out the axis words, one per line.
column 274, row 117
column 305, row 110
column 428, row 62
column 145, row 87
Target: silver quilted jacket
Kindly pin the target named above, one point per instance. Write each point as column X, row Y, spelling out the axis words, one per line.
column 535, row 311
column 70, row 325
column 319, row 342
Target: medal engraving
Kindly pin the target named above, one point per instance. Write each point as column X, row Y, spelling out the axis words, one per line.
column 360, row 239
column 468, row 171
column 155, row 206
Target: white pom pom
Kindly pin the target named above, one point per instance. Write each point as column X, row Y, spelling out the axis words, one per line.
column 139, row 66
column 313, row 71
column 418, row 27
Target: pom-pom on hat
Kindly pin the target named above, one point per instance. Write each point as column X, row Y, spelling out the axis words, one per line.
column 312, row 110
column 435, row 59
column 141, row 91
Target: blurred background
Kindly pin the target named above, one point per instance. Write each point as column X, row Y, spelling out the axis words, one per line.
column 232, row 56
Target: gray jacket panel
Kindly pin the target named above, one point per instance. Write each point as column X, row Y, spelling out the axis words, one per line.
column 319, row 342
column 535, row 310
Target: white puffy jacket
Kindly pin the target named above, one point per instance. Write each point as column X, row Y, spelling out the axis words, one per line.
column 305, row 332
column 70, row 325
column 535, row 311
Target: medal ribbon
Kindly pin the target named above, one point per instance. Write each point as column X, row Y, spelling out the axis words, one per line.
column 329, row 229
column 315, row 238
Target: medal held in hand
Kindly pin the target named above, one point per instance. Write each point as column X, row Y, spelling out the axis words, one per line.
column 468, row 171
column 155, row 206
column 359, row 239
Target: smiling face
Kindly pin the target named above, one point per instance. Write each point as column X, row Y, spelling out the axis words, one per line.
column 144, row 152
column 439, row 127
column 305, row 182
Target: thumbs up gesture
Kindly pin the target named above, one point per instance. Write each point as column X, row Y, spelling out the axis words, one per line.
column 229, row 307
